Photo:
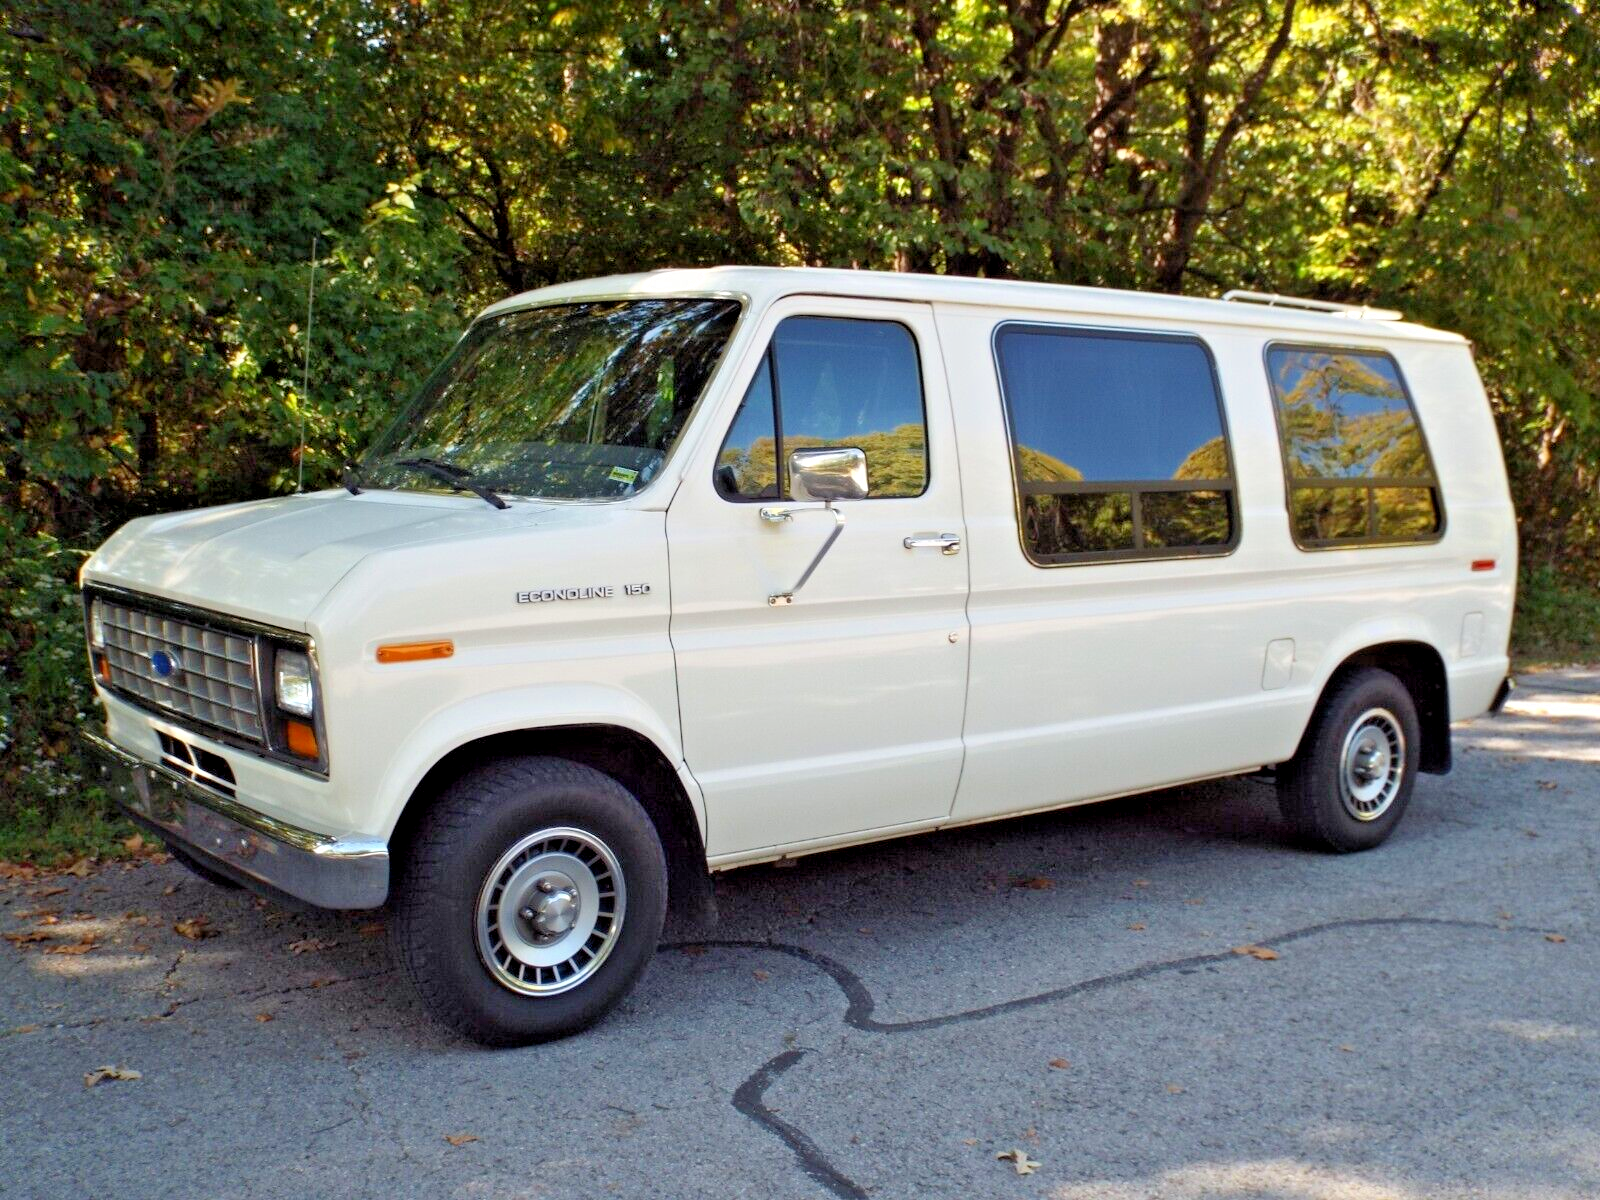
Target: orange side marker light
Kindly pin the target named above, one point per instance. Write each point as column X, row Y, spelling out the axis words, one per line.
column 302, row 739
column 415, row 651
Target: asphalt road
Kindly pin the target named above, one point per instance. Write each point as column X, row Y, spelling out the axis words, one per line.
column 883, row 1022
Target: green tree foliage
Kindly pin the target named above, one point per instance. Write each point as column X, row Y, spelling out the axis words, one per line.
column 166, row 164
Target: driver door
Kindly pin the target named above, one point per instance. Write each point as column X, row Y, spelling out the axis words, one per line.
column 840, row 712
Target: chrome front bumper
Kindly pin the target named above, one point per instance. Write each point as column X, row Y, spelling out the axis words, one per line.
column 257, row 850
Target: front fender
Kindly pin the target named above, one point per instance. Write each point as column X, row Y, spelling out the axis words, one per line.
column 514, row 710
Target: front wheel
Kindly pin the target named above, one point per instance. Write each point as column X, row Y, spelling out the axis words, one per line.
column 532, row 898
column 1350, row 783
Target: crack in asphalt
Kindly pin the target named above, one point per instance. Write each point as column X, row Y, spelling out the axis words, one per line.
column 749, row 1098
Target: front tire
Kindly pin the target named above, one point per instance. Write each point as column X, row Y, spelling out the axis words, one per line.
column 532, row 898
column 1349, row 784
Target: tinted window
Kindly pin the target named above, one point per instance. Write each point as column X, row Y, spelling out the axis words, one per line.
column 1355, row 460
column 830, row 382
column 747, row 465
column 1119, row 443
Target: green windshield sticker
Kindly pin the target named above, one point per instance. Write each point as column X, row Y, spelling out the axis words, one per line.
column 623, row 474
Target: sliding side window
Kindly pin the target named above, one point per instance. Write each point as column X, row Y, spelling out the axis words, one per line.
column 1119, row 444
column 1356, row 465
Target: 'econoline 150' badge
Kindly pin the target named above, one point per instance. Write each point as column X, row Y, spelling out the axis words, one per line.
column 602, row 591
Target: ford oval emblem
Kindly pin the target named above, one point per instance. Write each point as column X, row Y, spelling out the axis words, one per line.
column 165, row 665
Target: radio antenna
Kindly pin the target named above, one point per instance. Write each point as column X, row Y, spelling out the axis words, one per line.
column 305, row 377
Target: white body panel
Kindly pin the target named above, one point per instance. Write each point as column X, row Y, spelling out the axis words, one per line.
column 902, row 689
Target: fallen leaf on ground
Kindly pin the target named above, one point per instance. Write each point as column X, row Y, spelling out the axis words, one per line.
column 1254, row 951
column 460, row 1139
column 1018, row 1159
column 100, row 1074
column 81, row 868
column 1060, row 1064
column 969, row 1141
column 195, row 928
column 169, row 889
column 263, row 1017
column 1034, row 883
column 82, row 946
column 1549, row 785
column 761, row 976
column 1348, row 1049
column 49, row 891
column 1175, row 1088
column 141, row 947
column 372, row 929
column 11, row 870
column 310, row 945
column 1137, row 927
column 33, row 935
column 1554, row 937
column 26, row 1029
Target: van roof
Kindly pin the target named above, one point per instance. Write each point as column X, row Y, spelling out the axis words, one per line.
column 761, row 285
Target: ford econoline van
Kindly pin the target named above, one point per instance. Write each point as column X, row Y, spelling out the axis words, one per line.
column 658, row 575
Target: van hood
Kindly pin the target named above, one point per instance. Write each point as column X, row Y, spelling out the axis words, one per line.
column 274, row 561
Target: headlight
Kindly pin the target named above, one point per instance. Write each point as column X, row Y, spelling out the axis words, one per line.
column 293, row 686
column 97, row 625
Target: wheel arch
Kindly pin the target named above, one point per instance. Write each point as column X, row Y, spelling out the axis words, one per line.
column 1420, row 667
column 625, row 754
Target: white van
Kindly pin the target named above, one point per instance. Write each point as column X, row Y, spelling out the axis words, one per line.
column 663, row 574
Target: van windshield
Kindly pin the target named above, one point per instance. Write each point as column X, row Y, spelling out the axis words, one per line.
column 572, row 401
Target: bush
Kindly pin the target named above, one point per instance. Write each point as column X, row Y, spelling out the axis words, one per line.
column 1558, row 619
column 46, row 811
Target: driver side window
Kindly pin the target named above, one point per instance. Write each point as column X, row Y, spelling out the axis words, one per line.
column 830, row 381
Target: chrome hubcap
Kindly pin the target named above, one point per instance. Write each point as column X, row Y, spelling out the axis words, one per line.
column 1372, row 765
column 549, row 911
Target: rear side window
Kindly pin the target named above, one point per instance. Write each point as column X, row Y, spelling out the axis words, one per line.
column 1119, row 444
column 828, row 381
column 1356, row 464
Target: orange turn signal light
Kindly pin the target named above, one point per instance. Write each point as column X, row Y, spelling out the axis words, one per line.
column 415, row 651
column 302, row 739
column 102, row 668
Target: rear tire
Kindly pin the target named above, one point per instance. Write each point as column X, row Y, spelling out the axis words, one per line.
column 532, row 898
column 1349, row 784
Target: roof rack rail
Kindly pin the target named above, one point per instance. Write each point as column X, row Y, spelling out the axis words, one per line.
column 1274, row 300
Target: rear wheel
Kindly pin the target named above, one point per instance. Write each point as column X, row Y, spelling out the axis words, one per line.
column 1349, row 785
column 533, row 897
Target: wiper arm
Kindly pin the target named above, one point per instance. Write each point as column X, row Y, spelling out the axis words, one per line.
column 459, row 478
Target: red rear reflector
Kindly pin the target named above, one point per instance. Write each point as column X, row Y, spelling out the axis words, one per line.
column 415, row 651
column 1483, row 564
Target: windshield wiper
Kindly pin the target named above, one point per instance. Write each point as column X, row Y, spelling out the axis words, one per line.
column 459, row 478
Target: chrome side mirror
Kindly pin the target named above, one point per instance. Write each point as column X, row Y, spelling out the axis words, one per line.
column 837, row 473
column 834, row 473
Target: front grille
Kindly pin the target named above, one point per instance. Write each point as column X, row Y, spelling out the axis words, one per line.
column 202, row 766
column 210, row 675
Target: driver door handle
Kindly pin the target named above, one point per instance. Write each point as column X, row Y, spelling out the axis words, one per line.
column 945, row 543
